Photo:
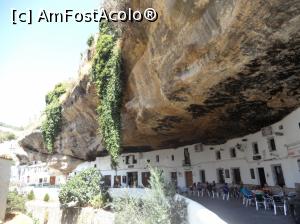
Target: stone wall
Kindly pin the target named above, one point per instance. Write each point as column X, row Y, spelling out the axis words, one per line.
column 50, row 213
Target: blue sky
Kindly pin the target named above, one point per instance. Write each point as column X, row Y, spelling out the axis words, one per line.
column 33, row 58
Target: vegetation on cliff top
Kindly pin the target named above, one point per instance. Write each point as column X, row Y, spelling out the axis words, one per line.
column 106, row 74
column 6, row 136
column 51, row 126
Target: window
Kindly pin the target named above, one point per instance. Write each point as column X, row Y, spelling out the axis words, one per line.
column 157, row 158
column 174, row 178
column 134, row 160
column 127, row 159
column 298, row 162
column 218, row 155
column 232, row 153
column 271, row 144
column 227, row 175
column 172, row 157
column 198, row 147
column 124, row 179
column 255, row 148
column 95, row 165
column 252, row 174
column 130, row 160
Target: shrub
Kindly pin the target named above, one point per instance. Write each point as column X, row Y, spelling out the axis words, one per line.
column 15, row 202
column 46, row 197
column 51, row 126
column 159, row 207
column 99, row 201
column 106, row 74
column 31, row 195
column 90, row 41
column 6, row 136
column 82, row 188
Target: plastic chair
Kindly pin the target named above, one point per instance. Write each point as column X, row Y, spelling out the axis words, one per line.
column 247, row 196
column 268, row 200
column 260, row 200
column 279, row 202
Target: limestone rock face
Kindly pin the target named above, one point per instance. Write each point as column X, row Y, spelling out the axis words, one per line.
column 205, row 71
column 79, row 136
column 210, row 70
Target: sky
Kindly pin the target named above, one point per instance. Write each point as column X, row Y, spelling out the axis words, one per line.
column 33, row 58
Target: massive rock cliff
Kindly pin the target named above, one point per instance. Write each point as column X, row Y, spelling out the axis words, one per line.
column 205, row 71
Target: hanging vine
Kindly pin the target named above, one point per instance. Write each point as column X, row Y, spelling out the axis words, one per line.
column 51, row 126
column 106, row 74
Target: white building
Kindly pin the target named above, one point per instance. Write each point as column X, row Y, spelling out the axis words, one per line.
column 36, row 174
column 5, row 163
column 270, row 156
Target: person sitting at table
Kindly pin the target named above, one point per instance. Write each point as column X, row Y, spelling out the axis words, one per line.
column 266, row 189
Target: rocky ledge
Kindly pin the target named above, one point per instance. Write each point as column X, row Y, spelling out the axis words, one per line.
column 205, row 71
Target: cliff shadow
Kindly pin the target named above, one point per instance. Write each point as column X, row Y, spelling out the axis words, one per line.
column 70, row 215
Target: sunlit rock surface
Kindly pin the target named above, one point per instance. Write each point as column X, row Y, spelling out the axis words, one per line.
column 205, row 71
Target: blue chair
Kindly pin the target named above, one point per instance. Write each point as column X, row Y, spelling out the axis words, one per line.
column 247, row 197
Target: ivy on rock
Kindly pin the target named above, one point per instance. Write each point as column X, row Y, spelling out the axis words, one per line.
column 51, row 126
column 106, row 74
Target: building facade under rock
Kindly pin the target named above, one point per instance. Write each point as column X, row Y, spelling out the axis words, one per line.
column 270, row 156
column 36, row 173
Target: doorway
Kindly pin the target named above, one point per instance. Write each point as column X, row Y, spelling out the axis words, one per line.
column 174, row 178
column 202, row 176
column 132, row 179
column 107, row 180
column 262, row 176
column 236, row 175
column 117, row 181
column 279, row 178
column 145, row 179
column 188, row 178
column 220, row 175
column 52, row 180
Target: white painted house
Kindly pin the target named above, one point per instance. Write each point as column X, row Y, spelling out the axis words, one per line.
column 270, row 156
column 5, row 163
column 36, row 174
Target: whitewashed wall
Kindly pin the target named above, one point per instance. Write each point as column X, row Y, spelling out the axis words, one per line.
column 206, row 160
column 4, row 184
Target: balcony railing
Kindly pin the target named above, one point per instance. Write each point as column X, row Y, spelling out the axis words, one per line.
column 186, row 163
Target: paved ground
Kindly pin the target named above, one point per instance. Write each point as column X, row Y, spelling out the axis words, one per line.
column 233, row 212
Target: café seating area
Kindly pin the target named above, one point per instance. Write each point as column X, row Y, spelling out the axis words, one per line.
column 276, row 199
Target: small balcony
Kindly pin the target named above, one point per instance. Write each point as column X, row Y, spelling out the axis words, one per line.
column 186, row 163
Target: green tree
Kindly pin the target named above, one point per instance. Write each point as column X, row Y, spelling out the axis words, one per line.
column 46, row 197
column 81, row 188
column 15, row 202
column 31, row 195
